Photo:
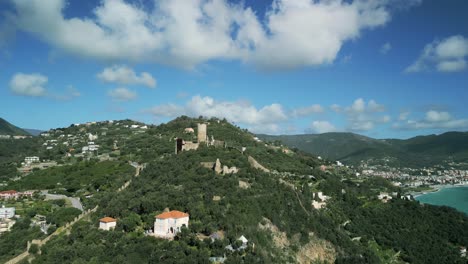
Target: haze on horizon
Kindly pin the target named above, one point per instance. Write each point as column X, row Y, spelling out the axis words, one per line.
column 385, row 68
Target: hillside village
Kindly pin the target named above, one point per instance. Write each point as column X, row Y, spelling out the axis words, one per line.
column 203, row 185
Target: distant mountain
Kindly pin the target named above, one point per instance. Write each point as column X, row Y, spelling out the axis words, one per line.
column 352, row 148
column 8, row 129
column 34, row 132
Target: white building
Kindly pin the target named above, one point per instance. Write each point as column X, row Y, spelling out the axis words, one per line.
column 29, row 160
column 92, row 137
column 7, row 212
column 6, row 225
column 168, row 224
column 107, row 223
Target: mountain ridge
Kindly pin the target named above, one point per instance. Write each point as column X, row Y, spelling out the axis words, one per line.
column 6, row 128
column 353, row 148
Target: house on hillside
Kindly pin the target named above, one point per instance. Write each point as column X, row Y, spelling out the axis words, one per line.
column 29, row 160
column 168, row 224
column 107, row 223
column 7, row 212
column 10, row 194
column 189, row 130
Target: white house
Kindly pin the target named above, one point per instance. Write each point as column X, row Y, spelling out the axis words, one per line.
column 7, row 212
column 168, row 224
column 30, row 160
column 92, row 137
column 189, row 130
column 107, row 223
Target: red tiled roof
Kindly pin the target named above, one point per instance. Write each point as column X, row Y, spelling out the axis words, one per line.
column 9, row 192
column 172, row 214
column 107, row 219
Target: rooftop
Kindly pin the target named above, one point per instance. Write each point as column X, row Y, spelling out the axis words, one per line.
column 107, row 219
column 172, row 214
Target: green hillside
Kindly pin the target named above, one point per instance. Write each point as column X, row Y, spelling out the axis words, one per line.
column 9, row 129
column 352, row 148
column 273, row 210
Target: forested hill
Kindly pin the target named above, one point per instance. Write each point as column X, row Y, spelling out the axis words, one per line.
column 353, row 148
column 275, row 206
column 8, row 129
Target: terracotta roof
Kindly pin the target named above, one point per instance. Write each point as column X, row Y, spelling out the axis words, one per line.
column 9, row 192
column 172, row 214
column 107, row 219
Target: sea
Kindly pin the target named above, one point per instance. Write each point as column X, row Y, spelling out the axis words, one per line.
column 456, row 197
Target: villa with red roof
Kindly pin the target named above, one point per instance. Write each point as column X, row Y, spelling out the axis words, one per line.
column 10, row 194
column 107, row 223
column 168, row 224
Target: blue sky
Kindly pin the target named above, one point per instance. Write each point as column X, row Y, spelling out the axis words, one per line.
column 387, row 68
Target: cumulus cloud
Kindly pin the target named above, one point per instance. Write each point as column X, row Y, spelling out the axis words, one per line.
column 322, row 127
column 257, row 119
column 306, row 111
column 293, row 33
column 122, row 94
column 433, row 119
column 70, row 93
column 336, row 108
column 29, row 84
column 385, row 48
column 122, row 74
column 362, row 116
column 447, row 55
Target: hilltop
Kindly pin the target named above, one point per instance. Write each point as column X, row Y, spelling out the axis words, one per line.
column 8, row 129
column 290, row 206
column 352, row 148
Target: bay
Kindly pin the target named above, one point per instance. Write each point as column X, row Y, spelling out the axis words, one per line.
column 456, row 197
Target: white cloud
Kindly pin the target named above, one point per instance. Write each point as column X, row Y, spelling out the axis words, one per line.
column 435, row 116
column 403, row 116
column 257, row 119
column 433, row 120
column 70, row 93
column 448, row 55
column 293, row 33
column 373, row 106
column 336, row 108
column 385, row 119
column 362, row 116
column 122, row 94
column 451, row 66
column 322, row 127
column 385, row 48
column 34, row 85
column 122, row 74
column 305, row 111
column 29, row 84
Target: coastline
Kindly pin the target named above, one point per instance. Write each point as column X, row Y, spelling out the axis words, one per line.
column 436, row 188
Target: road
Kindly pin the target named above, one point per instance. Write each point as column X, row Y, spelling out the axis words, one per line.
column 73, row 200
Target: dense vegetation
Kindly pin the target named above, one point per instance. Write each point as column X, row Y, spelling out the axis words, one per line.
column 415, row 152
column 86, row 176
column 357, row 227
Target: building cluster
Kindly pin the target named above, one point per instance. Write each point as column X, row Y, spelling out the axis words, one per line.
column 219, row 168
column 12, row 194
column 386, row 197
column 319, row 200
column 409, row 177
column 13, row 137
column 6, row 218
column 166, row 225
column 202, row 138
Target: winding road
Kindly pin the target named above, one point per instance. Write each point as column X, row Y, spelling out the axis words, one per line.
column 73, row 200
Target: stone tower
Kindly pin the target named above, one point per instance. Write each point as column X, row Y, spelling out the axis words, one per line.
column 201, row 133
